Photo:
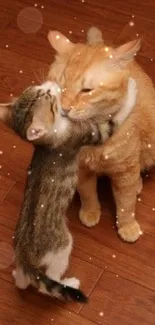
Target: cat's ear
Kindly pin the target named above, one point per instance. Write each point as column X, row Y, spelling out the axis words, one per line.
column 94, row 36
column 6, row 113
column 125, row 53
column 60, row 42
column 36, row 130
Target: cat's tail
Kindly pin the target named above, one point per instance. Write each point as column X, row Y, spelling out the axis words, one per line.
column 94, row 36
column 61, row 291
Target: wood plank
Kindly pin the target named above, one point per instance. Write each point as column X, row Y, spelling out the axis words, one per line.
column 117, row 301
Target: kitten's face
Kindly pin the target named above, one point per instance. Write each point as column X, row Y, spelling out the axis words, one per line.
column 94, row 78
column 36, row 115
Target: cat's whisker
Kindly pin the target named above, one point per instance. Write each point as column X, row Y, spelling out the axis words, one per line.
column 37, row 77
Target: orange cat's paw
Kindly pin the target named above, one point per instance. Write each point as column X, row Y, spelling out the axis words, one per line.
column 130, row 232
column 88, row 218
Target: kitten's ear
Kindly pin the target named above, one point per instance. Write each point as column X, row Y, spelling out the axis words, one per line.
column 60, row 42
column 6, row 113
column 36, row 130
column 125, row 53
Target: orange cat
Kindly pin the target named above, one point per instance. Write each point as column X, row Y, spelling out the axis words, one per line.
column 96, row 81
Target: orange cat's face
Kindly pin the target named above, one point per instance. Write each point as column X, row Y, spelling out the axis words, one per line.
column 93, row 78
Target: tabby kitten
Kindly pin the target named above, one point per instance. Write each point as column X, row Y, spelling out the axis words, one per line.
column 42, row 241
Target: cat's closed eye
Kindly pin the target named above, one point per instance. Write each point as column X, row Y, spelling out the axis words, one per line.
column 86, row 90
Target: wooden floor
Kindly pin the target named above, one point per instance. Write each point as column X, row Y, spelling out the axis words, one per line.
column 118, row 277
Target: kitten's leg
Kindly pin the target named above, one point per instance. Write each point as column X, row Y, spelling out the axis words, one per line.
column 125, row 187
column 71, row 282
column 22, row 281
column 57, row 266
column 90, row 207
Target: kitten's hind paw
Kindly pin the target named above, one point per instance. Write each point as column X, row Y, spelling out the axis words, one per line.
column 71, row 282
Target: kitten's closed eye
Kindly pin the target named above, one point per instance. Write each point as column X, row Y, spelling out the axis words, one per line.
column 86, row 90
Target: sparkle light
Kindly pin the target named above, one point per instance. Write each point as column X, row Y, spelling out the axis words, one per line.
column 0, row 166
column 131, row 23
column 34, row 223
column 149, row 145
column 127, row 134
column 52, row 180
column 101, row 313
column 13, row 237
column 60, row 154
column 14, row 147
column 122, row 210
column 106, row 49
column 53, row 162
column 36, row 5
column 1, row 152
column 55, row 130
column 75, row 17
column 82, row 30
column 70, row 32
column 133, row 214
column 57, row 36
column 151, row 59
column 137, row 34
column 110, row 56
column 133, row 16
column 21, row 71
column 110, row 115
column 113, row 256
column 33, row 82
column 42, row 7
column 90, row 258
column 93, row 133
column 8, row 174
column 153, row 209
column 42, row 205
column 105, row 267
column 139, row 199
column 106, row 157
column 7, row 46
column 140, row 232
column 38, row 277
column 101, row 83
column 67, row 40
column 52, row 319
column 11, row 95
column 29, row 172
column 116, row 275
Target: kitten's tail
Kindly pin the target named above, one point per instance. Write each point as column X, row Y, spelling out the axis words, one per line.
column 54, row 288
column 94, row 36
column 60, row 291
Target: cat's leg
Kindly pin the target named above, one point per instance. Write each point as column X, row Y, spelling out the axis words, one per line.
column 140, row 185
column 125, row 187
column 90, row 207
column 22, row 281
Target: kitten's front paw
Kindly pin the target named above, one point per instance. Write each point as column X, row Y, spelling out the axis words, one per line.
column 130, row 232
column 88, row 218
column 71, row 282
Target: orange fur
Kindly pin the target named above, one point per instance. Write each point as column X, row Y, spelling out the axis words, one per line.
column 132, row 148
